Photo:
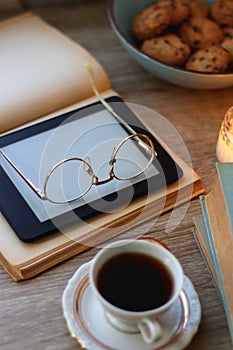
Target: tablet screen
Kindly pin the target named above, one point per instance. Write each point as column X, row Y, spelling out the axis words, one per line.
column 90, row 133
column 94, row 136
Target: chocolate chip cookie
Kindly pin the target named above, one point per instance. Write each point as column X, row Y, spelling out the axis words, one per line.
column 227, row 43
column 198, row 8
column 168, row 49
column 151, row 21
column 199, row 33
column 214, row 59
column 179, row 9
column 222, row 12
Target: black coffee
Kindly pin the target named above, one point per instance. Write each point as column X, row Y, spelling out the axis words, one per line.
column 135, row 282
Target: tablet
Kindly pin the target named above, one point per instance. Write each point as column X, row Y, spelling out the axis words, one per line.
column 91, row 134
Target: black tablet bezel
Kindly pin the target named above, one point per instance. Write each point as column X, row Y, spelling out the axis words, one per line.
column 21, row 217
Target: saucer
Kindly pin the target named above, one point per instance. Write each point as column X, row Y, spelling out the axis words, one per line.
column 87, row 324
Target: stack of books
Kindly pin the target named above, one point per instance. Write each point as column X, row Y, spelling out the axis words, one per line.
column 214, row 235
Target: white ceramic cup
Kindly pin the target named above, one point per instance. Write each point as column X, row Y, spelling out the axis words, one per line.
column 146, row 322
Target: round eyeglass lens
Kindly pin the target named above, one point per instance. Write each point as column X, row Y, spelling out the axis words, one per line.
column 68, row 180
column 133, row 156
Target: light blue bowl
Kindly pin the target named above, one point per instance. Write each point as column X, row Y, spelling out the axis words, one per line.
column 121, row 14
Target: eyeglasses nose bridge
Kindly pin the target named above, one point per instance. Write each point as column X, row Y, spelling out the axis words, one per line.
column 88, row 167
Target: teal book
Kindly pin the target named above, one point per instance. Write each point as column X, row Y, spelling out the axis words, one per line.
column 225, row 176
column 217, row 209
column 202, row 240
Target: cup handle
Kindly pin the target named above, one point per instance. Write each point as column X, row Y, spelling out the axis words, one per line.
column 150, row 330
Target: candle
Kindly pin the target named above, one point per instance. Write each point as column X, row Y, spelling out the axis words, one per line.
column 224, row 148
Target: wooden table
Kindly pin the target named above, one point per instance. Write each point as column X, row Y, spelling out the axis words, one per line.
column 31, row 311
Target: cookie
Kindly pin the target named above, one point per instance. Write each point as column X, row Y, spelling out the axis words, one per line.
column 214, row 59
column 168, row 49
column 151, row 21
column 228, row 32
column 199, row 33
column 222, row 12
column 227, row 43
column 179, row 9
column 198, row 8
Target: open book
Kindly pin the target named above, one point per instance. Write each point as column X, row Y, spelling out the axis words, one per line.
column 43, row 77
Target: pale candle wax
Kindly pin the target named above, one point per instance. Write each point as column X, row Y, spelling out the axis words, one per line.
column 224, row 148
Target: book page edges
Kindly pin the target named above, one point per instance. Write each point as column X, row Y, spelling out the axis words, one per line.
column 201, row 237
column 34, row 258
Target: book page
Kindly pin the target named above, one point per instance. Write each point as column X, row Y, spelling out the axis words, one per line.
column 42, row 70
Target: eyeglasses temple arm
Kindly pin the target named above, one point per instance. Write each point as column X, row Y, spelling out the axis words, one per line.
column 109, row 108
column 102, row 100
column 36, row 190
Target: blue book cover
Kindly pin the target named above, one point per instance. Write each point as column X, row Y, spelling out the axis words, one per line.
column 225, row 175
column 206, row 230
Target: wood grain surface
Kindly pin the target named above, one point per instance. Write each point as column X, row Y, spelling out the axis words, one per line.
column 31, row 311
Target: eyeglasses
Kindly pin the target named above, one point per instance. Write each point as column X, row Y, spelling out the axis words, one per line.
column 129, row 159
column 72, row 178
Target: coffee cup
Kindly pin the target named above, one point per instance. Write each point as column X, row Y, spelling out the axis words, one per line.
column 136, row 282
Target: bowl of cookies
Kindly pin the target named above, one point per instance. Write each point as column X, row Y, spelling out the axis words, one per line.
column 188, row 43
